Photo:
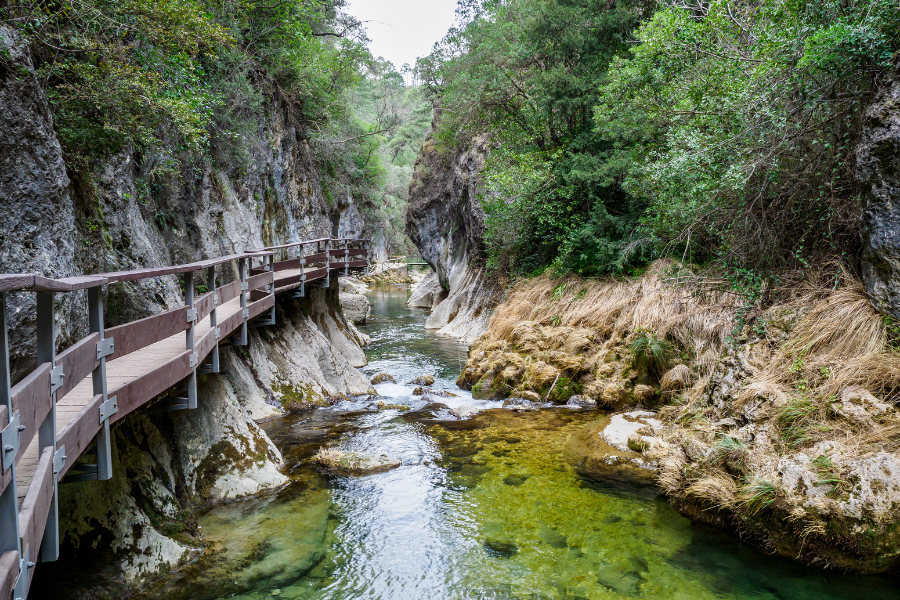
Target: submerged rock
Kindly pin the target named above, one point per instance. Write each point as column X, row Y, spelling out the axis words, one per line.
column 383, row 378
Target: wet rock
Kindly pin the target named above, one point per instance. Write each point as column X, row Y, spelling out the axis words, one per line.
column 500, row 548
column 612, row 467
column 579, row 400
column 383, row 378
column 428, row 293
column 527, row 395
column 553, row 538
column 355, row 463
column 441, row 394
column 464, row 412
column 384, row 406
column 418, row 392
column 424, row 380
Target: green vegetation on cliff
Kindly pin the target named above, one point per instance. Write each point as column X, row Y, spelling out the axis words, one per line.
column 185, row 84
column 722, row 132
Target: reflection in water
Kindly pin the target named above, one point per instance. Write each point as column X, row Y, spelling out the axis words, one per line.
column 489, row 508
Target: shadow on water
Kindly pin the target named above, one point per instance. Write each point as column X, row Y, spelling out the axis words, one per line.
column 488, row 508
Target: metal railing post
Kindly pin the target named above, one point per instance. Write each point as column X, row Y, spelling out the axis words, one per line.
column 9, row 502
column 302, row 270
column 346, row 257
column 46, row 352
column 242, row 269
column 108, row 406
column 328, row 262
column 189, row 338
column 213, row 319
column 271, row 287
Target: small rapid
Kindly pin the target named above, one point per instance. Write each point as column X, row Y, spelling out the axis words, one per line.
column 491, row 507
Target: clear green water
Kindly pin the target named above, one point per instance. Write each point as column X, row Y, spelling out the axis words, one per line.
column 490, row 508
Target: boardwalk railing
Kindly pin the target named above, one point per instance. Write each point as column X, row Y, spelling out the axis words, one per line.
column 54, row 423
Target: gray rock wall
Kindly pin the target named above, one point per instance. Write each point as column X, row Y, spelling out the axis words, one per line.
column 878, row 168
column 445, row 221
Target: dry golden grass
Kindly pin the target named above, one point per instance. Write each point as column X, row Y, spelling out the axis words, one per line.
column 690, row 312
column 717, row 489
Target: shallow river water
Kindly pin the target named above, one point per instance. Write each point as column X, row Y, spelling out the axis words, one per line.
column 488, row 508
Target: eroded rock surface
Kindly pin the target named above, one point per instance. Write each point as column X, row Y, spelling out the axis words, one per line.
column 445, row 221
column 878, row 168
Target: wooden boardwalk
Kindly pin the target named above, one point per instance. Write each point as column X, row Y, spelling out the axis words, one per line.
column 76, row 394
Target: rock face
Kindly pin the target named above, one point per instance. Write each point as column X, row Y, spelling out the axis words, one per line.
column 878, row 168
column 446, row 223
column 428, row 293
column 168, row 465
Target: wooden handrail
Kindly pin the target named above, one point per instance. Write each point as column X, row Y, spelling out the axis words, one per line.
column 31, row 406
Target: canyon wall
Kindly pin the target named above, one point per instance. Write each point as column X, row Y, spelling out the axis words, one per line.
column 445, row 221
column 120, row 214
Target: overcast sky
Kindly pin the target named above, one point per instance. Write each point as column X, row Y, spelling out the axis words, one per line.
column 402, row 30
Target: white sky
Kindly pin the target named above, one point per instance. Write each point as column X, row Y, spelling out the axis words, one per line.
column 403, row 30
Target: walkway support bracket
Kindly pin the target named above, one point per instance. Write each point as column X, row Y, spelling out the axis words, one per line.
column 189, row 338
column 46, row 352
column 108, row 406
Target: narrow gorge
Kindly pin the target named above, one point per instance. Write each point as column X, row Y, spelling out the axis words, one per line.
column 595, row 300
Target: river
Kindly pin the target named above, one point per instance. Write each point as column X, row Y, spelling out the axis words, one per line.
column 487, row 508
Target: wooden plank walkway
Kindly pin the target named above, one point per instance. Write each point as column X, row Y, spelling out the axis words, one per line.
column 133, row 364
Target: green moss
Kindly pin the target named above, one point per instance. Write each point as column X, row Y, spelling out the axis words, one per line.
column 564, row 389
column 298, row 396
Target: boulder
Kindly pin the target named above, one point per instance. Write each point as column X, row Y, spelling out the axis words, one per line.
column 355, row 307
column 383, row 378
column 355, row 463
column 464, row 412
column 423, row 380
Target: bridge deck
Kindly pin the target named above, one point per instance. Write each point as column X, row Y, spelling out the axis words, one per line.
column 137, row 363
column 119, row 372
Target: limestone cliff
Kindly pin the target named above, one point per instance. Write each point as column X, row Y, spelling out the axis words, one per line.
column 445, row 221
column 878, row 168
column 122, row 214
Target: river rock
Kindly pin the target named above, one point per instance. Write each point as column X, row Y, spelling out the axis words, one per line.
column 355, row 307
column 418, row 391
column 356, row 463
column 525, row 395
column 579, row 400
column 440, row 394
column 383, row 378
column 423, row 380
column 464, row 412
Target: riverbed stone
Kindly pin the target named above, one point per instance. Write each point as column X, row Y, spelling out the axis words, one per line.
column 383, row 378
column 464, row 412
column 360, row 463
column 425, row 380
